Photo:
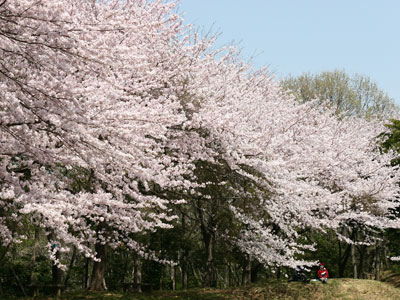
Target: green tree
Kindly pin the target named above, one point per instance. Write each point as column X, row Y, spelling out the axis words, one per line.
column 391, row 142
column 354, row 95
column 391, row 139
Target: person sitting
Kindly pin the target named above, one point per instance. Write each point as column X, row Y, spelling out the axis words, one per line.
column 298, row 275
column 323, row 273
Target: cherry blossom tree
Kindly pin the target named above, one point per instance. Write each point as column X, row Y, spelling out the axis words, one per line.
column 321, row 170
column 89, row 84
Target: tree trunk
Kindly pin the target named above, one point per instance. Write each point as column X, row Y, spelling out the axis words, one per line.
column 56, row 272
column 172, row 277
column 34, row 254
column 342, row 261
column 370, row 264
column 278, row 273
column 99, row 268
column 209, row 278
column 3, row 255
column 230, row 274
column 161, row 277
column 256, row 267
column 226, row 277
column 184, row 273
column 246, row 274
column 86, row 275
column 207, row 231
column 184, row 257
column 18, row 280
column 207, row 227
column 137, row 273
column 196, row 275
column 361, row 264
column 234, row 275
column 377, row 262
column 1, row 287
column 71, row 264
column 126, row 269
column 353, row 261
column 386, row 261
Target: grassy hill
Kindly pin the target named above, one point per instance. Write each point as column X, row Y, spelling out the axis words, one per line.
column 335, row 289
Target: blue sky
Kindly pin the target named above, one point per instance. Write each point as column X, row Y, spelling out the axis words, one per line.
column 296, row 36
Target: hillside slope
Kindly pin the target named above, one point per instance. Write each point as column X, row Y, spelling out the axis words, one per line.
column 335, row 289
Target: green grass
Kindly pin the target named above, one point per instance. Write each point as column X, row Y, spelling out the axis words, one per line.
column 345, row 289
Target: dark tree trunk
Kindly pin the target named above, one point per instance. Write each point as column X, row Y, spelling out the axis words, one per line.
column 56, row 272
column 137, row 273
column 342, row 262
column 386, row 261
column 370, row 263
column 256, row 267
column 278, row 273
column 86, row 276
column 353, row 261
column 378, row 262
column 126, row 266
column 161, row 277
column 3, row 255
column 225, row 283
column 172, row 277
column 230, row 274
column 71, row 264
column 246, row 274
column 21, row 286
column 207, row 230
column 184, row 258
column 34, row 254
column 209, row 279
column 361, row 263
column 184, row 274
column 97, row 282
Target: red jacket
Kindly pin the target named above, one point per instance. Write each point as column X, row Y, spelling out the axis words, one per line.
column 323, row 273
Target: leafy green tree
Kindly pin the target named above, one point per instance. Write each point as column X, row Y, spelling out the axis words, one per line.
column 391, row 142
column 391, row 139
column 354, row 95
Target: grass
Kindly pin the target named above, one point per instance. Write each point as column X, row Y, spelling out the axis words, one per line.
column 346, row 289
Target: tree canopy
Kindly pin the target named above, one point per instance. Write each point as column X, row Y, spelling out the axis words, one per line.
column 354, row 95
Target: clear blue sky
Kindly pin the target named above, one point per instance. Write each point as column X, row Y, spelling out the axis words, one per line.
column 296, row 36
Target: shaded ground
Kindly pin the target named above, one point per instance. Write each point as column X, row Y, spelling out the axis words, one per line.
column 391, row 278
column 336, row 289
